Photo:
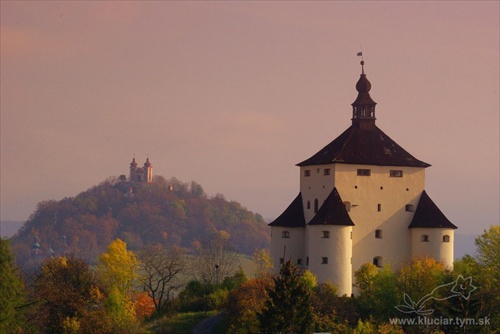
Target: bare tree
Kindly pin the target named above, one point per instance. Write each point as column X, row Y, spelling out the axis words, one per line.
column 162, row 270
column 216, row 259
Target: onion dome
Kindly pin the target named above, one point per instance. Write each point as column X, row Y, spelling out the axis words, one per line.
column 363, row 109
column 133, row 163
column 147, row 163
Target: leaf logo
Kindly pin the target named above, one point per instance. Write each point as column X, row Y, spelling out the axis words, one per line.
column 460, row 287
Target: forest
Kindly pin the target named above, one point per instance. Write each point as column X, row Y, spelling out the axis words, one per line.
column 165, row 212
column 164, row 290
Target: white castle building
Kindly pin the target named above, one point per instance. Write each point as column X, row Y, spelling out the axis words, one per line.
column 362, row 200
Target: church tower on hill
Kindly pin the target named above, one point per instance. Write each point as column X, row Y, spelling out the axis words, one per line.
column 362, row 199
column 141, row 174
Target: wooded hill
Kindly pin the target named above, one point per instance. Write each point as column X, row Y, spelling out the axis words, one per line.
column 167, row 212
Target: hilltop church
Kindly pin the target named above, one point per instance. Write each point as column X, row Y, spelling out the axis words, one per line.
column 362, row 199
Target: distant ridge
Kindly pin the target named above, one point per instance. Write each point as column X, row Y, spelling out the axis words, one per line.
column 165, row 211
column 9, row 228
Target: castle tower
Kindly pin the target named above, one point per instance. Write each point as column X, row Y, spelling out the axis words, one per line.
column 133, row 169
column 148, row 171
column 361, row 200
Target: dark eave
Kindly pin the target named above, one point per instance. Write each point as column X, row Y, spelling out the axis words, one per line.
column 364, row 147
column 293, row 216
column 428, row 215
column 332, row 212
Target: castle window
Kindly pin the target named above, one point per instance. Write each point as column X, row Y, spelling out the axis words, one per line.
column 308, row 205
column 307, row 261
column 299, row 262
column 379, row 207
column 347, row 206
column 364, row 172
column 285, row 234
column 317, row 170
column 326, row 234
column 316, row 205
column 378, row 234
column 324, row 260
column 307, row 172
column 410, row 207
column 282, row 260
column 326, row 171
column 396, row 173
column 424, row 238
column 446, row 238
column 377, row 261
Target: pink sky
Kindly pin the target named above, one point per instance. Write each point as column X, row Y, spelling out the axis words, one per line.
column 233, row 94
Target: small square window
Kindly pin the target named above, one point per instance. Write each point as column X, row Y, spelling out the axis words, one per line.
column 326, row 234
column 285, row 234
column 396, row 173
column 424, row 238
column 410, row 207
column 378, row 234
column 446, row 238
column 364, row 172
column 324, row 260
column 282, row 260
column 326, row 171
column 299, row 262
column 307, row 172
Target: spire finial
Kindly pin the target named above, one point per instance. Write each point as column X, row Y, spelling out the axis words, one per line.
column 362, row 62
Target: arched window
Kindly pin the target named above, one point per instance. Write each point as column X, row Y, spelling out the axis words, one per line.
column 378, row 234
column 446, row 238
column 316, row 205
column 285, row 234
column 377, row 261
column 424, row 238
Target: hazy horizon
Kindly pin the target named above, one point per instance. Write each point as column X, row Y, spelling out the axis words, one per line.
column 233, row 94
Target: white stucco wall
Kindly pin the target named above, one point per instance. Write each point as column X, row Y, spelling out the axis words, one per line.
column 293, row 247
column 337, row 248
column 435, row 246
column 379, row 201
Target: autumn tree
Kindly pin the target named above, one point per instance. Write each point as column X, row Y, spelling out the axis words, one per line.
column 288, row 306
column 263, row 262
column 244, row 303
column 162, row 271
column 12, row 294
column 68, row 296
column 117, row 269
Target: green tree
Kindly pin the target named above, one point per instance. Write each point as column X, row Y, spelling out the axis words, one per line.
column 488, row 258
column 288, row 307
column 12, row 293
